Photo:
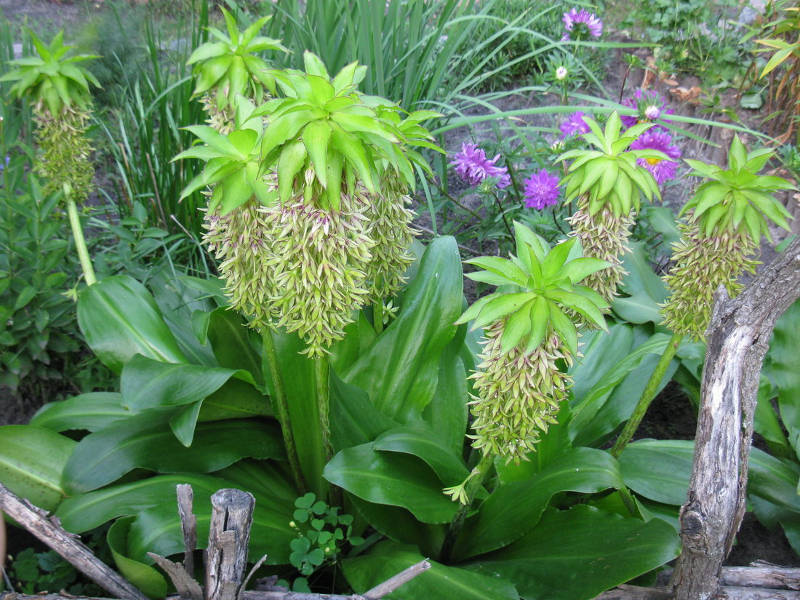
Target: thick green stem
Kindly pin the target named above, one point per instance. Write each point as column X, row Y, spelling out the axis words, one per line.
column 269, row 364
column 471, row 487
column 647, row 396
column 377, row 316
column 80, row 241
column 322, row 377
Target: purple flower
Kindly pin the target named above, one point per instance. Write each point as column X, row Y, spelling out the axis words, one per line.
column 658, row 139
column 541, row 190
column 473, row 166
column 587, row 22
column 574, row 125
column 650, row 106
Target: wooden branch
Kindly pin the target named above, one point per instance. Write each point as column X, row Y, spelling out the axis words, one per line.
column 188, row 525
column 66, row 545
column 738, row 338
column 391, row 584
column 632, row 592
column 228, row 540
column 185, row 584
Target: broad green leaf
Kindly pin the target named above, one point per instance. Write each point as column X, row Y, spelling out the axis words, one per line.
column 424, row 443
column 91, row 411
column 119, row 319
column 391, row 478
column 145, row 441
column 147, row 383
column 414, row 341
column 32, row 460
column 230, row 339
column 400, row 525
column 143, row 576
column 354, row 420
column 576, row 554
column 782, row 368
column 440, row 582
column 297, row 373
column 158, row 527
column 447, row 412
column 514, row 509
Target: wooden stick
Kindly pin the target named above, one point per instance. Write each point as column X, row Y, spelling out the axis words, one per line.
column 632, row 592
column 228, row 540
column 66, row 545
column 738, row 338
column 391, row 584
column 185, row 584
column 188, row 525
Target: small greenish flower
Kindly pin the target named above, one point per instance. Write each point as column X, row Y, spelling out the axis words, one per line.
column 725, row 221
column 231, row 65
column 609, row 185
column 53, row 80
column 518, row 382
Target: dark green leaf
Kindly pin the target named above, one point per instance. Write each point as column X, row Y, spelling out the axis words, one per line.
column 119, row 319
column 90, row 411
column 514, row 509
column 393, row 479
column 577, row 554
column 440, row 582
column 32, row 460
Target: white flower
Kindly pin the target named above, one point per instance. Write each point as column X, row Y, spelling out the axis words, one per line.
column 561, row 73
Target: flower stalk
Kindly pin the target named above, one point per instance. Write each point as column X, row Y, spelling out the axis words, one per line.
column 647, row 396
column 269, row 366
column 80, row 240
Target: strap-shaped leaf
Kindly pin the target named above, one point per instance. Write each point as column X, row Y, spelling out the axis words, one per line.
column 316, row 136
column 500, row 306
column 291, row 161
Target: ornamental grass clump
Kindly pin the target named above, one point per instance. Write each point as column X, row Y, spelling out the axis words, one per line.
column 59, row 91
column 608, row 183
column 519, row 383
column 725, row 221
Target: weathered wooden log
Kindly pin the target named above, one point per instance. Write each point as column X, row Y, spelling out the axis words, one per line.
column 632, row 592
column 188, row 525
column 228, row 540
column 738, row 338
column 67, row 545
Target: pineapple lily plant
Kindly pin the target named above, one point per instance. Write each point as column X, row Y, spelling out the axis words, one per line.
column 58, row 88
column 332, row 372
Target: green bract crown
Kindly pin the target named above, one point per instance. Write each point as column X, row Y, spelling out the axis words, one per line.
column 609, row 174
column 233, row 162
column 231, row 64
column 325, row 133
column 737, row 199
column 52, row 78
column 536, row 287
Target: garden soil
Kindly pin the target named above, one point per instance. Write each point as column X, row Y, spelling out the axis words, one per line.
column 671, row 415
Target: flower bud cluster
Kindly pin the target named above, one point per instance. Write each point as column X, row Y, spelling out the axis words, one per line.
column 701, row 265
column 519, row 394
column 64, row 150
column 603, row 235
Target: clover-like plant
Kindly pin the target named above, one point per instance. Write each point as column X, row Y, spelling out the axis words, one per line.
column 231, row 65
column 59, row 90
column 726, row 218
column 608, row 185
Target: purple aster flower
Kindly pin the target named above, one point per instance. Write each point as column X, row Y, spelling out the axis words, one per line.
column 587, row 22
column 650, row 106
column 658, row 139
column 473, row 166
column 541, row 190
column 574, row 125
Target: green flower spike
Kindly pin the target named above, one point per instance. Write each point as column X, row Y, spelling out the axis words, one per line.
column 608, row 184
column 726, row 219
column 518, row 381
column 231, row 65
column 53, row 80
